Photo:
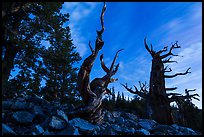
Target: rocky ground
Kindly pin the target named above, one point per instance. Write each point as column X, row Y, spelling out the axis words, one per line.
column 31, row 115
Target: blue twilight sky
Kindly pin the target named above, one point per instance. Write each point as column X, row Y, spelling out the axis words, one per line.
column 126, row 26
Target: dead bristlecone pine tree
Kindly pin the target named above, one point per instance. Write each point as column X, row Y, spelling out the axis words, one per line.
column 157, row 99
column 93, row 92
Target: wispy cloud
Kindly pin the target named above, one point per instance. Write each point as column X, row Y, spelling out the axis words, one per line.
column 79, row 11
column 127, row 29
column 187, row 30
column 182, row 28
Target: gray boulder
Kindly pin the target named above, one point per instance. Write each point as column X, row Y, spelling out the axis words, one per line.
column 19, row 105
column 187, row 131
column 109, row 117
column 23, row 117
column 184, row 130
column 57, row 123
column 48, row 133
column 128, row 131
column 6, row 130
column 147, row 123
column 164, row 130
column 142, row 132
column 70, row 130
column 116, row 114
column 108, row 131
column 62, row 115
column 39, row 130
column 175, row 126
column 120, row 120
column 84, row 126
column 159, row 133
column 7, row 104
column 33, row 133
column 100, row 128
column 131, row 123
column 129, row 116
column 38, row 111
column 117, row 128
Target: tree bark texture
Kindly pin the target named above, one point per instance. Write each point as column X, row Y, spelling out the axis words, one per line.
column 92, row 92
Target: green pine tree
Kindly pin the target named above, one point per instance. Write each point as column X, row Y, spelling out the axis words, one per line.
column 25, row 26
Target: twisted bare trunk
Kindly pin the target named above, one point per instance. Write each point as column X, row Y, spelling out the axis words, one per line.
column 92, row 92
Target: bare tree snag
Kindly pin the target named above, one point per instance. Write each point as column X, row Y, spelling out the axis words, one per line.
column 174, row 88
column 168, row 60
column 171, row 76
column 143, row 93
column 93, row 92
column 158, row 100
column 157, row 97
column 181, row 100
column 140, row 92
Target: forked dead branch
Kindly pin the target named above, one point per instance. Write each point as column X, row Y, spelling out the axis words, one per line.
column 92, row 92
column 157, row 99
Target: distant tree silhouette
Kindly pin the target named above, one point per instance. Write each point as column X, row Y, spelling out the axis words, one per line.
column 184, row 103
column 144, row 94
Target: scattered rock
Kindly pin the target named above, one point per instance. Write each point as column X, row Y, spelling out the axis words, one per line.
column 120, row 120
column 142, row 132
column 109, row 117
column 62, row 115
column 32, row 115
column 39, row 129
column 6, row 104
column 158, row 133
column 187, row 131
column 128, row 131
column 163, row 129
column 6, row 130
column 175, row 126
column 129, row 116
column 83, row 125
column 57, row 123
column 147, row 123
column 117, row 128
column 116, row 114
column 108, row 131
column 70, row 130
column 47, row 133
column 18, row 105
column 132, row 123
column 33, row 133
column 23, row 117
column 45, row 122
column 38, row 110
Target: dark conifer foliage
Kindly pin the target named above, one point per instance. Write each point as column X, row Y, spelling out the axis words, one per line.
column 26, row 25
column 59, row 59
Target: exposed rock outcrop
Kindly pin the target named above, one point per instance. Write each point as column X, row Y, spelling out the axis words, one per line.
column 32, row 115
